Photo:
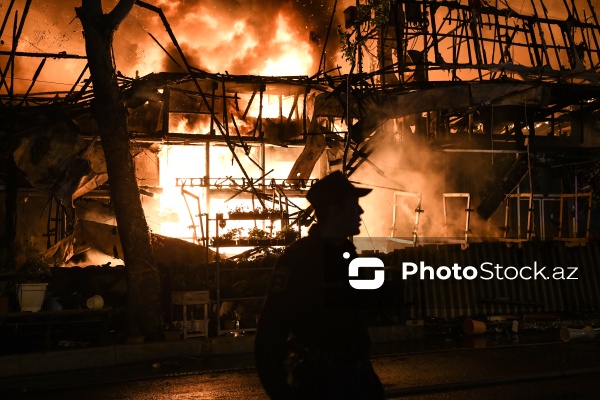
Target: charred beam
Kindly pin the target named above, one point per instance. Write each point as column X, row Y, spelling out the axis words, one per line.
column 16, row 36
column 77, row 83
column 62, row 54
column 10, row 6
column 505, row 185
column 33, row 80
column 165, row 50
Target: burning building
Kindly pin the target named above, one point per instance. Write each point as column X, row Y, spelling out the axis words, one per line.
column 474, row 124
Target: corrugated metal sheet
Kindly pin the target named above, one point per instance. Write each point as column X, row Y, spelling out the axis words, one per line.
column 453, row 298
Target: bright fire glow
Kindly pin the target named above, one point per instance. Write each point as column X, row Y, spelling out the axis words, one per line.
column 181, row 124
column 270, row 107
column 218, row 39
column 294, row 59
column 179, row 162
column 190, row 162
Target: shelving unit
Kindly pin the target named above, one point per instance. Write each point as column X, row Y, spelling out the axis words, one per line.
column 261, row 191
column 218, row 242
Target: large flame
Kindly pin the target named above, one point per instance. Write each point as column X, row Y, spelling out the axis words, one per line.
column 294, row 57
column 183, row 213
column 249, row 39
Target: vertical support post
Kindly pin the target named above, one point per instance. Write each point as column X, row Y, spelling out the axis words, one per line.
column 280, row 99
column 467, row 210
column 506, row 217
column 468, row 219
column 560, row 219
column 11, row 59
column 542, row 223
column 165, row 112
column 518, row 197
column 207, row 177
column 393, row 227
column 212, row 108
column 218, row 274
column 57, row 220
column 262, row 164
column 530, row 217
column 306, row 92
column 260, row 110
column 225, row 116
column 206, row 243
column 576, row 213
column 589, row 216
column 49, row 224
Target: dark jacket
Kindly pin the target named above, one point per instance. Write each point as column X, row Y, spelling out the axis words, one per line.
column 311, row 303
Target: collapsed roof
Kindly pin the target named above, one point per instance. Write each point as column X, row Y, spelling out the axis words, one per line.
column 462, row 75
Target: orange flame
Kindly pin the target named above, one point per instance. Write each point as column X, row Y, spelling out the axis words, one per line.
column 295, row 56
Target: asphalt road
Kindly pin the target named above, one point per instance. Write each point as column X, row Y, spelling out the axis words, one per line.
column 546, row 371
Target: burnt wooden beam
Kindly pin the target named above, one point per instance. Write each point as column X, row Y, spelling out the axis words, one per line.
column 597, row 23
column 541, row 33
column 33, row 80
column 10, row 6
column 42, row 55
column 165, row 50
column 293, row 108
column 76, row 83
column 323, row 59
column 504, row 185
column 248, row 106
column 554, row 45
column 16, row 35
column 192, row 93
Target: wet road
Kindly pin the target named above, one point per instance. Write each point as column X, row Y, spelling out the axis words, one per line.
column 551, row 371
column 244, row 385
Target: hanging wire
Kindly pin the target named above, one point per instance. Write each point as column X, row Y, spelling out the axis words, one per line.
column 369, row 235
column 492, row 133
column 349, row 125
column 528, row 151
column 322, row 60
column 530, row 210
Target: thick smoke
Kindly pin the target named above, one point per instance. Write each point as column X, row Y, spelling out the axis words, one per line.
column 405, row 163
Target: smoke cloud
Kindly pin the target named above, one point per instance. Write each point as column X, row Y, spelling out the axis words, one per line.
column 404, row 164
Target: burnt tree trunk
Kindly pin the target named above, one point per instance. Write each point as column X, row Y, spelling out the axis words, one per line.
column 108, row 109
